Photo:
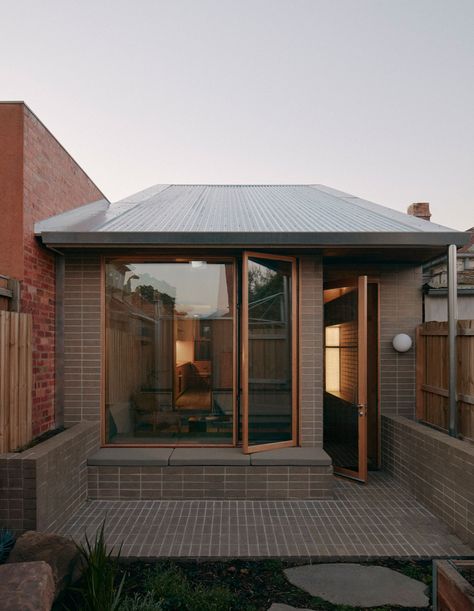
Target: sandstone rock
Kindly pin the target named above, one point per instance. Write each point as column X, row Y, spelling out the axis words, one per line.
column 26, row 586
column 59, row 552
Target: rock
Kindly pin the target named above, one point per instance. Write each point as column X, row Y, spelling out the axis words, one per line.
column 26, row 586
column 60, row 553
column 359, row 585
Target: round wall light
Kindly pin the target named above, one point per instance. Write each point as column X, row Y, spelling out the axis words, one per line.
column 402, row 342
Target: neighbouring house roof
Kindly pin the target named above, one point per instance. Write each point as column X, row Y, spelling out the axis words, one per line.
column 469, row 247
column 273, row 215
column 435, row 274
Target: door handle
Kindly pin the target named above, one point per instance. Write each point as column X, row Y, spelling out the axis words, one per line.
column 362, row 408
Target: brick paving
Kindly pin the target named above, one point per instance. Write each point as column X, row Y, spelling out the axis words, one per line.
column 380, row 519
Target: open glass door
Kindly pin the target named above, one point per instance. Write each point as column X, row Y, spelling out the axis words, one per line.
column 268, row 372
column 345, row 390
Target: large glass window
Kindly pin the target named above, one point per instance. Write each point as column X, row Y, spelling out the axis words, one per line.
column 170, row 352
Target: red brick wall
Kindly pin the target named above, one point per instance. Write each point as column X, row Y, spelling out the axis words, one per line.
column 53, row 183
column 11, row 190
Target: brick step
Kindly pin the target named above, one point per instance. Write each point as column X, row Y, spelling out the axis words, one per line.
column 209, row 473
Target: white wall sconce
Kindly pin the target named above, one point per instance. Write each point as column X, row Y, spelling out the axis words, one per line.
column 402, row 342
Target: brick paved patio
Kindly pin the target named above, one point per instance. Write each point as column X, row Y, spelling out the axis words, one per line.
column 377, row 520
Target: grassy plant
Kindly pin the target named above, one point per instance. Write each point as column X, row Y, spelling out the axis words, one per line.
column 99, row 590
column 7, row 541
column 141, row 602
column 174, row 591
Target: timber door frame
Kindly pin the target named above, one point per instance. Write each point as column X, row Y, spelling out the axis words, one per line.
column 362, row 471
column 244, row 351
column 145, row 257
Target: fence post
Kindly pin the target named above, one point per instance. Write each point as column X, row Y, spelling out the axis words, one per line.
column 452, row 333
column 420, row 368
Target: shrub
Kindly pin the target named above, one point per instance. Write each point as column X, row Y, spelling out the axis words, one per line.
column 98, row 589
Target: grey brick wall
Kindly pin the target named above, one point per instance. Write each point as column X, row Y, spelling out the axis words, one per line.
column 311, row 351
column 202, row 482
column 436, row 468
column 82, row 360
column 400, row 312
column 40, row 487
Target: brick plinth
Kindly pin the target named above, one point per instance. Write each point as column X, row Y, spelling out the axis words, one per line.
column 204, row 482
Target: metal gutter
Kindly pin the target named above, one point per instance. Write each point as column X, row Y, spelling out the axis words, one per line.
column 316, row 239
column 442, row 292
column 59, row 342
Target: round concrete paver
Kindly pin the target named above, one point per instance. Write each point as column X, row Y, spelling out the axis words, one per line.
column 358, row 585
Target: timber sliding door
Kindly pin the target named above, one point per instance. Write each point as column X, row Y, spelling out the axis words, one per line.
column 268, row 334
column 345, row 396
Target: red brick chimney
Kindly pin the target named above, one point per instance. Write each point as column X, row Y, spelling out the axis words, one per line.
column 421, row 210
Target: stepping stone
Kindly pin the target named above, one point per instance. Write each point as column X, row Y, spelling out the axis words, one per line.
column 358, row 585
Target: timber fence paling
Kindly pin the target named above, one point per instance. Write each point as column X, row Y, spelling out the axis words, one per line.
column 16, row 374
column 432, row 375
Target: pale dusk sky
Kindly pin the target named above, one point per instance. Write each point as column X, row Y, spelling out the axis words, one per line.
column 373, row 97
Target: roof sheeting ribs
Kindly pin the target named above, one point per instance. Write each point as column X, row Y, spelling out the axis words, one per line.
column 233, row 210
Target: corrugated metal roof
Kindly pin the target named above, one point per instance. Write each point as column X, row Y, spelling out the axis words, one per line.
column 237, row 209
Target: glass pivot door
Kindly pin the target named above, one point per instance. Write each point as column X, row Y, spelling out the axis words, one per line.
column 268, row 368
column 345, row 392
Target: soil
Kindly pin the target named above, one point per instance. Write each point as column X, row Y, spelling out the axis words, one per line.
column 258, row 584
column 45, row 436
column 467, row 572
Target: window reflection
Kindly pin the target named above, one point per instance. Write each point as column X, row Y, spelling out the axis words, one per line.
column 270, row 351
column 169, row 353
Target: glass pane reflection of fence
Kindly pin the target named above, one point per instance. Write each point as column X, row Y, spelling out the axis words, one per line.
column 169, row 353
column 270, row 353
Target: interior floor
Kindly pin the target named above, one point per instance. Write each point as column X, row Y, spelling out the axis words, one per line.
column 194, row 398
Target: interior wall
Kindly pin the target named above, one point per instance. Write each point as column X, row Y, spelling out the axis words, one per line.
column 348, row 360
column 400, row 312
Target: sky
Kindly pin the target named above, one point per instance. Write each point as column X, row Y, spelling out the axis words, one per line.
column 372, row 97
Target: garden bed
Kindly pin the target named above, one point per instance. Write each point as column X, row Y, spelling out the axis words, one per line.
column 223, row 586
column 454, row 589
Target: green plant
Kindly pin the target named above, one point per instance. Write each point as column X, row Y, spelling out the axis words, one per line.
column 141, row 602
column 7, row 541
column 174, row 591
column 98, row 587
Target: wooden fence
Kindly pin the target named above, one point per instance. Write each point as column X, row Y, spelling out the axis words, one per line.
column 432, row 374
column 16, row 373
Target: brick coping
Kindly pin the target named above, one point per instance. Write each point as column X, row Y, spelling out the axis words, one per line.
column 53, row 443
column 285, row 457
column 462, row 445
